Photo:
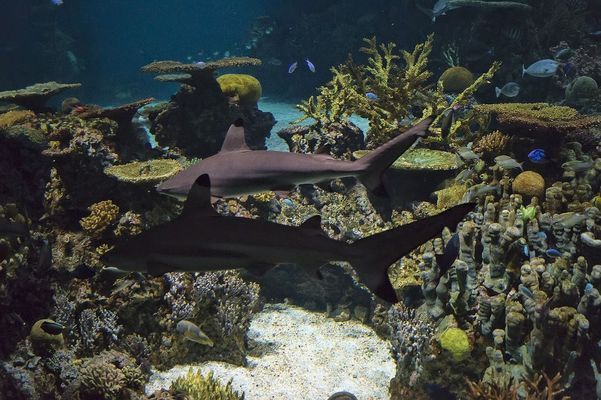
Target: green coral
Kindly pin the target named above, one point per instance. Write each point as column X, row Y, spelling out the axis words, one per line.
column 528, row 213
column 244, row 89
column 145, row 172
column 456, row 342
column 195, row 386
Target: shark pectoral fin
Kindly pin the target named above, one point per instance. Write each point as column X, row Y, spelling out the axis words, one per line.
column 157, row 268
column 313, row 222
column 199, row 198
column 384, row 290
column 234, row 138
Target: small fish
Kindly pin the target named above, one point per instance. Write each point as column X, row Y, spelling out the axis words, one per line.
column 480, row 190
column 526, row 291
column 507, row 162
column 191, row 331
column 440, row 8
column 114, row 272
column 463, row 175
column 588, row 239
column 538, row 156
column 594, row 35
column 52, row 328
column 511, row 89
column 310, row 65
column 578, row 166
column 200, row 64
column 541, row 235
column 553, row 253
column 588, row 289
column 288, row 202
column 467, row 154
column 446, row 123
column 569, row 219
column 525, row 251
column 57, row 2
column 292, row 67
column 371, row 96
column 541, row 69
column 564, row 54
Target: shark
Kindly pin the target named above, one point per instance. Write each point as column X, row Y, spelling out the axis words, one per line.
column 200, row 239
column 237, row 170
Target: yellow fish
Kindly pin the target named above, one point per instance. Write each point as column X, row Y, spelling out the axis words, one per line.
column 191, row 331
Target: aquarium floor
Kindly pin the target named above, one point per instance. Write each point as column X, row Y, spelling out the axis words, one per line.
column 303, row 355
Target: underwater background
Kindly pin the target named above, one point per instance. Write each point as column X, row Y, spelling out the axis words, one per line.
column 300, row 200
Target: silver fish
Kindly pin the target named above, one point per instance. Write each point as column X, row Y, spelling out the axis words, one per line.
column 541, row 69
column 480, row 190
column 569, row 219
column 578, row 165
column 440, row 8
column 467, row 154
column 191, row 331
column 507, row 162
column 511, row 89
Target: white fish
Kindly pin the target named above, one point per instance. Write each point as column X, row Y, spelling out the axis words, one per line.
column 507, row 162
column 542, row 68
column 511, row 89
column 467, row 154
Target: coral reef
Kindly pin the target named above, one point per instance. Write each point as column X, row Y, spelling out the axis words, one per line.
column 102, row 214
column 34, row 97
column 196, row 118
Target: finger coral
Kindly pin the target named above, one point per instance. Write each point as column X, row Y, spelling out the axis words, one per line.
column 102, row 214
column 491, row 144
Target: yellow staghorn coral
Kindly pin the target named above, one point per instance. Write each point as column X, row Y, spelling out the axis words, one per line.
column 534, row 118
column 102, row 214
column 143, row 172
column 195, row 386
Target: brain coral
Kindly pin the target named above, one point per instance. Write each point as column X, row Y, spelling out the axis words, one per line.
column 581, row 89
column 529, row 183
column 245, row 89
column 456, row 79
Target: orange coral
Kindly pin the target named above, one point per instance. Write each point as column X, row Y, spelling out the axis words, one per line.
column 491, row 144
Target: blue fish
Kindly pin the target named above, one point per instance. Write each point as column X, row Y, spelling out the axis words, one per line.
column 525, row 251
column 538, row 156
column 310, row 65
column 371, row 96
column 526, row 292
column 57, row 2
column 588, row 289
column 553, row 253
column 541, row 235
column 292, row 67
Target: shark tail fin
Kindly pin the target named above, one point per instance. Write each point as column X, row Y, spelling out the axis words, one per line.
column 374, row 254
column 377, row 161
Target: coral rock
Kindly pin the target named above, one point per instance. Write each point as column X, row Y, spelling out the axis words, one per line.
column 529, row 183
column 456, row 79
column 152, row 171
column 35, row 97
column 242, row 88
column 456, row 342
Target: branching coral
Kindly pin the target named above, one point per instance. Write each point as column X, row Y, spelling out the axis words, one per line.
column 537, row 388
column 195, row 386
column 34, row 97
column 102, row 214
column 491, row 144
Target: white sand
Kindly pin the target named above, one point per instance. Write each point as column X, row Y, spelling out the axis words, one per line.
column 305, row 355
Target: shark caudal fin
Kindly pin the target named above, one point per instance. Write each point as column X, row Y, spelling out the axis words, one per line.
column 377, row 252
column 377, row 161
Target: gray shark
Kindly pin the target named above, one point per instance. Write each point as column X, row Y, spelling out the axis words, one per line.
column 202, row 240
column 238, row 170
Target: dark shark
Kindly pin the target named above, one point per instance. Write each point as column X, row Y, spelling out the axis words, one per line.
column 238, row 170
column 201, row 240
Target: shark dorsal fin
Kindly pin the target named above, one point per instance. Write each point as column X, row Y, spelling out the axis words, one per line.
column 313, row 223
column 234, row 138
column 198, row 201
